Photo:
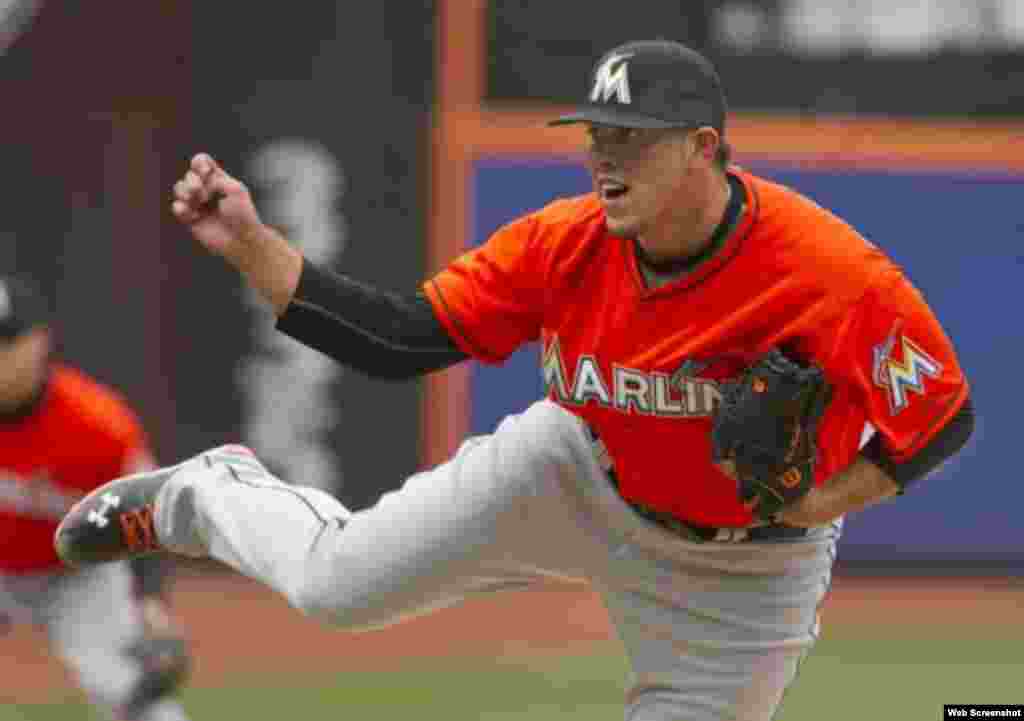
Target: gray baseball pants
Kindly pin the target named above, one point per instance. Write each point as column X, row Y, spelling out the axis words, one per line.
column 714, row 631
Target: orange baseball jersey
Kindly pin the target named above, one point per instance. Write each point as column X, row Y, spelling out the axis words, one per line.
column 642, row 367
column 81, row 436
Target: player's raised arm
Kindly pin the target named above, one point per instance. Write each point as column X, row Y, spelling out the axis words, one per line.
column 385, row 335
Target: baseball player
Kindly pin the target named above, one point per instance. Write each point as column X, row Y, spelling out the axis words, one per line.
column 656, row 298
column 62, row 434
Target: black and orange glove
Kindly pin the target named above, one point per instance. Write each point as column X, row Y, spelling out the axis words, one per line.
column 163, row 657
column 764, row 430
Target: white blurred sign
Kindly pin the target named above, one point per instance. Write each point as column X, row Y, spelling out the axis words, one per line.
column 289, row 412
column 15, row 16
column 901, row 27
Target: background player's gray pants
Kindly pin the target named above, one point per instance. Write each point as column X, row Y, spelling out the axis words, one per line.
column 714, row 631
column 90, row 616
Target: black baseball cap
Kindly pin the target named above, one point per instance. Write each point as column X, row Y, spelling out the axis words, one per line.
column 22, row 307
column 653, row 84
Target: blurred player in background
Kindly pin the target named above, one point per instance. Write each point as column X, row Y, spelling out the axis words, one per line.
column 61, row 435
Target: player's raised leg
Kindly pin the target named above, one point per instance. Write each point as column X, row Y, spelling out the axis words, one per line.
column 448, row 532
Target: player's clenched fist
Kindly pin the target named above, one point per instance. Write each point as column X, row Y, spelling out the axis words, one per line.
column 219, row 212
column 216, row 207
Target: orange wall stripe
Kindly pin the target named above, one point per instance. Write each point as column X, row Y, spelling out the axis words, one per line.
column 850, row 141
column 459, row 74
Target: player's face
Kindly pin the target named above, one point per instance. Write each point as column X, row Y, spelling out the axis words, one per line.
column 23, row 366
column 650, row 182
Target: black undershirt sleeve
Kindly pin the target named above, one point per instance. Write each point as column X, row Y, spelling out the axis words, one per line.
column 384, row 335
column 942, row 447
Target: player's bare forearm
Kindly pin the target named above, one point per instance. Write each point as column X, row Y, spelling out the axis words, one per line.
column 860, row 485
column 270, row 265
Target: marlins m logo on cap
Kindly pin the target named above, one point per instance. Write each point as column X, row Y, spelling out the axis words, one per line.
column 612, row 79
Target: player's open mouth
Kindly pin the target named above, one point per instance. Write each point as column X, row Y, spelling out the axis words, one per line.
column 611, row 189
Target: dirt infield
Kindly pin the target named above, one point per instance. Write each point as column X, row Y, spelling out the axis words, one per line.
column 238, row 628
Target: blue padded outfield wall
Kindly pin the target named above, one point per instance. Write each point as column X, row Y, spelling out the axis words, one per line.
column 960, row 237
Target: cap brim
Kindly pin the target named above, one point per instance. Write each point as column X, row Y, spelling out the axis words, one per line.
column 12, row 331
column 613, row 115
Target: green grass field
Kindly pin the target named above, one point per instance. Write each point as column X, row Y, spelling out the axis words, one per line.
column 847, row 678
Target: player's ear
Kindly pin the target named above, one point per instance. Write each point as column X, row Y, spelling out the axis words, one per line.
column 706, row 143
column 41, row 340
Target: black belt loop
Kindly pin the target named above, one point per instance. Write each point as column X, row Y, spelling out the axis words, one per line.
column 692, row 531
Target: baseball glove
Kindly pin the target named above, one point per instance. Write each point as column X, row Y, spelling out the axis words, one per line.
column 163, row 656
column 766, row 424
column 165, row 665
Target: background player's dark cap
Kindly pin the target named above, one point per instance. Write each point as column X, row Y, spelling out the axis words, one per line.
column 22, row 306
column 653, row 84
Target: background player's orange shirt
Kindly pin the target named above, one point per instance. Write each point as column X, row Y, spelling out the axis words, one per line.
column 81, row 436
column 642, row 366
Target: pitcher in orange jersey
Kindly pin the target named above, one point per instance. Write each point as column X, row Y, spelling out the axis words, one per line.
column 674, row 274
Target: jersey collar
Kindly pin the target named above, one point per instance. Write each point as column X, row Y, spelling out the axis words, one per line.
column 726, row 251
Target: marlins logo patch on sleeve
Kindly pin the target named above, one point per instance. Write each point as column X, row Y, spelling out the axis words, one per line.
column 903, row 370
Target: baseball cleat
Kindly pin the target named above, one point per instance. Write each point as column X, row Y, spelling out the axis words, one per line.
column 113, row 522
